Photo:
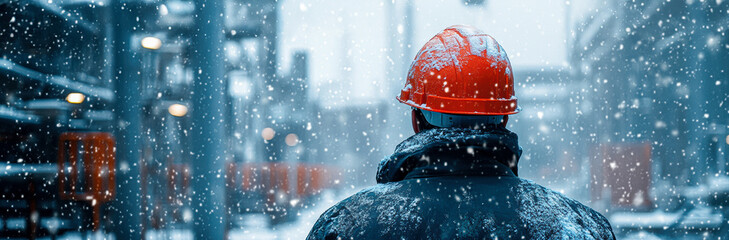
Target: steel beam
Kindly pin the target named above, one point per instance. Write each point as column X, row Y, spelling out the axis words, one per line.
column 127, row 214
column 11, row 69
column 207, row 138
column 696, row 76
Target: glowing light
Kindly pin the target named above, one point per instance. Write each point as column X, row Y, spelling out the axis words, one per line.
column 75, row 98
column 268, row 133
column 727, row 139
column 292, row 139
column 163, row 10
column 177, row 110
column 152, row 43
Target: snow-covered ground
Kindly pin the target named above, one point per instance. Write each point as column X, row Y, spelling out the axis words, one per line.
column 256, row 226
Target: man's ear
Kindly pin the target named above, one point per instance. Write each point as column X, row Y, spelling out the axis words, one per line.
column 505, row 121
column 416, row 121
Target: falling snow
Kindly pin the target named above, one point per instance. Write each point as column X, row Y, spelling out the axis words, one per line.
column 254, row 119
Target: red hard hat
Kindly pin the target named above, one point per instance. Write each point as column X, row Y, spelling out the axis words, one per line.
column 461, row 71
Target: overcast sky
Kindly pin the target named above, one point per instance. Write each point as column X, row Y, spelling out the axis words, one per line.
column 346, row 39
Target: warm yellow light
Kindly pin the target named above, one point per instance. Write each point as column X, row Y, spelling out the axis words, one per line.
column 727, row 139
column 177, row 110
column 268, row 133
column 75, row 98
column 151, row 43
column 292, row 139
column 163, row 10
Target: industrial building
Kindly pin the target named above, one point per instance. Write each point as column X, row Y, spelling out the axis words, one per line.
column 657, row 93
column 98, row 113
column 177, row 119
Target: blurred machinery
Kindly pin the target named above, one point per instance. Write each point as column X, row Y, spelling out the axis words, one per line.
column 56, row 155
column 266, row 114
column 547, row 96
column 657, row 81
column 75, row 118
column 622, row 173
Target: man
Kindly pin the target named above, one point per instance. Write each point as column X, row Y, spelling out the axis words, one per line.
column 456, row 178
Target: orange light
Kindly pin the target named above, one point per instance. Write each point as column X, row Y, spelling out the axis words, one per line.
column 152, row 43
column 292, row 139
column 75, row 98
column 268, row 133
column 177, row 110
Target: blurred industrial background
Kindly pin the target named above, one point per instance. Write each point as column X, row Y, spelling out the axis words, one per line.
column 239, row 119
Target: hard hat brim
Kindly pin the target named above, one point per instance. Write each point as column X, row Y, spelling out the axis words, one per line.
column 463, row 106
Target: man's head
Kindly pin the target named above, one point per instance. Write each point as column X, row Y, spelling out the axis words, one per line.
column 424, row 120
column 461, row 78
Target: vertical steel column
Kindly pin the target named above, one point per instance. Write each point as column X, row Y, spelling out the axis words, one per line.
column 208, row 107
column 269, row 68
column 409, row 35
column 393, row 56
column 400, row 56
column 696, row 123
column 269, row 31
column 127, row 208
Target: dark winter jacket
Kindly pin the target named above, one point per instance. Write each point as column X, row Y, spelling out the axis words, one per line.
column 458, row 184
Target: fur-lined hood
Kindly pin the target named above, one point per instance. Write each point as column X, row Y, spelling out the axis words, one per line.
column 452, row 151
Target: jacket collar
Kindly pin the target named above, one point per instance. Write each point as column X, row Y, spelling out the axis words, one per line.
column 452, row 151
